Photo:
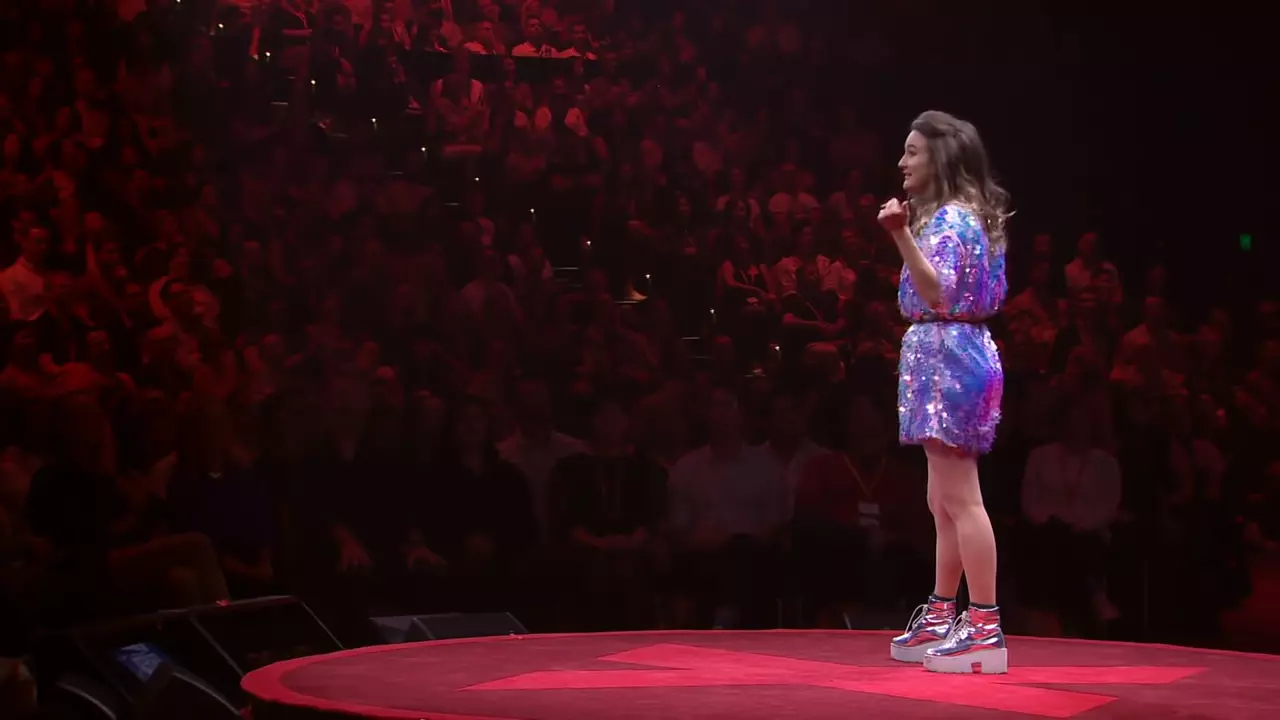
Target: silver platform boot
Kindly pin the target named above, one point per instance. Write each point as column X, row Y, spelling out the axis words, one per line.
column 929, row 626
column 975, row 645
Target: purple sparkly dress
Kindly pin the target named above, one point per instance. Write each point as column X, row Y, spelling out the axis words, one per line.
column 949, row 376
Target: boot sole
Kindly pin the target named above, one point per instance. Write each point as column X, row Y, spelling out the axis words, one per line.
column 979, row 662
column 914, row 654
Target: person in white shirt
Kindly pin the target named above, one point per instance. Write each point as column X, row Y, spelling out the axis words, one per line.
column 791, row 202
column 844, row 204
column 805, row 251
column 535, row 44
column 1071, row 494
column 842, row 274
column 484, row 41
column 580, row 43
column 727, row 504
column 1153, row 335
column 1080, row 272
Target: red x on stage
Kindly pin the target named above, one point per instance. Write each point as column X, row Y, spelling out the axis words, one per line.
column 690, row 666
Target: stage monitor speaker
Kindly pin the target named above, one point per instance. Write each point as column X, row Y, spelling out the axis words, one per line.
column 449, row 626
column 172, row 692
column 253, row 633
column 216, row 643
column 81, row 697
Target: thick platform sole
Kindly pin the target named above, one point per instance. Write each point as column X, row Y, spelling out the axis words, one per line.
column 979, row 662
column 911, row 654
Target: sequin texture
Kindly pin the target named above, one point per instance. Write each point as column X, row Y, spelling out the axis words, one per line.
column 949, row 375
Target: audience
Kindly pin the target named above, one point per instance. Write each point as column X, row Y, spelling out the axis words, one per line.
column 318, row 297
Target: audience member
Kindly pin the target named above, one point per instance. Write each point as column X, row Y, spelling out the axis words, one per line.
column 608, row 509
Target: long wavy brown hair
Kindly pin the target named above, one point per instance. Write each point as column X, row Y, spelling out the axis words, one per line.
column 961, row 174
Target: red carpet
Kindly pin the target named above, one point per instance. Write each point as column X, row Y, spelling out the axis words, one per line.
column 759, row 676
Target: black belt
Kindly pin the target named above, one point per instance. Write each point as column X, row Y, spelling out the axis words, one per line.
column 956, row 321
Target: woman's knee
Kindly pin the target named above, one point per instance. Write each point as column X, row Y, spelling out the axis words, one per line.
column 953, row 486
column 938, row 505
column 960, row 505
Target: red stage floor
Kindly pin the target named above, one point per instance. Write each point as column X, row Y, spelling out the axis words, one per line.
column 760, row 676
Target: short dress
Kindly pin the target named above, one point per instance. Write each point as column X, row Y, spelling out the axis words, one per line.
column 949, row 376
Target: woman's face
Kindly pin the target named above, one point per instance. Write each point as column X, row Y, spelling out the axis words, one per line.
column 916, row 166
column 472, row 428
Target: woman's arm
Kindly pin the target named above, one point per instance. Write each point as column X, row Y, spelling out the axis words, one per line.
column 923, row 274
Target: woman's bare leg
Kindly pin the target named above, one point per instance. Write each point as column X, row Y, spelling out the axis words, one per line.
column 953, row 483
column 932, row 623
column 975, row 643
column 954, row 477
column 947, row 564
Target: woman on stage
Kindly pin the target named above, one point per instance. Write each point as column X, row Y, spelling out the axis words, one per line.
column 951, row 237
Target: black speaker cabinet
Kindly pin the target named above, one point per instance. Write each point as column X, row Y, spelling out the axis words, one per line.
column 419, row 628
column 215, row 644
column 172, row 692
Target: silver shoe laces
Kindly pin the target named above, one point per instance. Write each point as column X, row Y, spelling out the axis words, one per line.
column 961, row 622
column 917, row 615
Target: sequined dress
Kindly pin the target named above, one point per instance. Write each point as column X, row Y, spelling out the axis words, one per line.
column 949, row 375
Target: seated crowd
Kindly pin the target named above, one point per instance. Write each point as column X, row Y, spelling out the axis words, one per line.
column 310, row 299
